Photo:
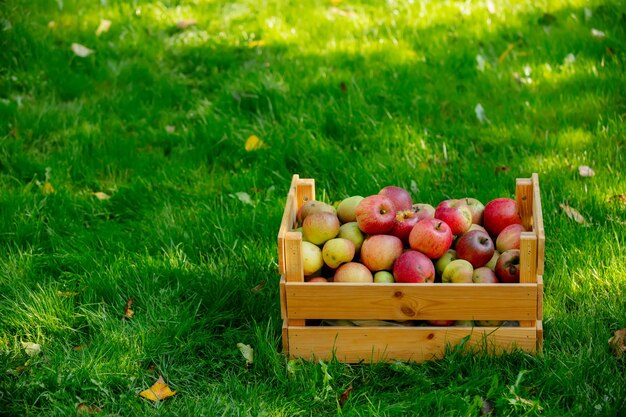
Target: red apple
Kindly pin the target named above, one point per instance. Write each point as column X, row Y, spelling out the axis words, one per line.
column 500, row 213
column 456, row 214
column 375, row 214
column 423, row 211
column 509, row 237
column 353, row 272
column 314, row 206
column 379, row 252
column 400, row 197
column 484, row 275
column 405, row 220
column 476, row 247
column 440, row 322
column 458, row 271
column 413, row 267
column 317, row 279
column 507, row 266
column 476, row 208
column 352, row 232
column 432, row 237
column 319, row 227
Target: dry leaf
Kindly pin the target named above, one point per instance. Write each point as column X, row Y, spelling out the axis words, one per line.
column 506, row 52
column 66, row 293
column 256, row 44
column 253, row 143
column 480, row 114
column 618, row 342
column 128, row 313
column 247, row 352
column 259, row 287
column 101, row 196
column 585, row 171
column 487, row 408
column 343, row 87
column 243, row 197
column 31, row 348
column 79, row 348
column 81, row 50
column 573, row 214
column 170, row 129
column 47, row 188
column 185, row 23
column 502, row 168
column 104, row 26
column 618, row 198
column 83, row 408
column 158, row 391
column 345, row 396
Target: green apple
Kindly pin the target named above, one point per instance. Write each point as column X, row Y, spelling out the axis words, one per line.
column 337, row 251
column 384, row 277
column 494, row 259
column 312, row 260
column 458, row 271
column 312, row 207
column 445, row 259
column 346, row 208
column 320, row 227
column 352, row 232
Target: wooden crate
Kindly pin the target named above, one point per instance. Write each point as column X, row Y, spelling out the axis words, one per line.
column 303, row 303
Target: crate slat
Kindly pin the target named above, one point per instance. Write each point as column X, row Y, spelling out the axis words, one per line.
column 355, row 301
column 376, row 344
column 538, row 223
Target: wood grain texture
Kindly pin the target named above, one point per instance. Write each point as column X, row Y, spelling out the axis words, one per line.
column 411, row 301
column 378, row 344
column 283, row 298
column 540, row 297
column 538, row 223
column 285, row 337
column 539, row 336
column 305, row 191
column 287, row 222
column 524, row 198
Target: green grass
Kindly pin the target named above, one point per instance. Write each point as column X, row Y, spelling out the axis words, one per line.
column 358, row 96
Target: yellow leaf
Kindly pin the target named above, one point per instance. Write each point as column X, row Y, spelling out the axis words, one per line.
column 47, row 188
column 158, row 391
column 506, row 53
column 573, row 214
column 247, row 352
column 259, row 43
column 52, row 24
column 81, row 50
column 83, row 408
column 618, row 342
column 104, row 26
column 128, row 313
column 253, row 143
column 31, row 348
column 101, row 196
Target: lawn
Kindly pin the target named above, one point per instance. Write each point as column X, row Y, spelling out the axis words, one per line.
column 138, row 231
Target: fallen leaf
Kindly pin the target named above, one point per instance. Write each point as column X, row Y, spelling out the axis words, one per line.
column 618, row 198
column 52, row 24
column 345, row 396
column 502, row 168
column 598, row 34
column 259, row 287
column 79, row 348
column 186, row 23
column 585, row 171
column 170, row 129
column 573, row 214
column 256, row 44
column 480, row 114
column 47, row 188
column 101, row 196
column 66, row 293
column 487, row 407
column 343, row 87
column 83, row 408
column 157, row 392
column 618, row 342
column 243, row 197
column 506, row 53
column 247, row 352
column 253, row 143
column 31, row 348
column 103, row 27
column 81, row 50
column 128, row 313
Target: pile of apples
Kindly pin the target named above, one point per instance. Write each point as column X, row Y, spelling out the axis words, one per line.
column 387, row 238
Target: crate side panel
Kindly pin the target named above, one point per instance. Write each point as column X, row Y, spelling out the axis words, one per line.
column 411, row 301
column 524, row 198
column 383, row 344
column 538, row 223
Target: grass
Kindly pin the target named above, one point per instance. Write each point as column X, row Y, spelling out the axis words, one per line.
column 357, row 95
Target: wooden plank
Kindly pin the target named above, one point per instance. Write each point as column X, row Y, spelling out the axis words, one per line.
column 294, row 271
column 283, row 299
column 377, row 344
column 524, row 198
column 528, row 267
column 540, row 297
column 539, row 336
column 353, row 301
column 538, row 223
column 285, row 338
column 305, row 191
column 285, row 226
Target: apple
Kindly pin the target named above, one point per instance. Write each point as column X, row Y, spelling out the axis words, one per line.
column 405, row 220
column 476, row 247
column 375, row 214
column 346, row 208
column 423, row 211
column 464, row 323
column 314, row 206
column 384, row 277
column 379, row 252
column 317, row 279
column 475, row 226
column 400, row 197
column 484, row 275
column 319, row 227
column 432, row 237
column 456, row 214
column 476, row 208
column 507, row 266
column 499, row 213
column 458, row 271
column 352, row 232
column 413, row 267
column 337, row 251
column 492, row 262
column 353, row 272
column 312, row 260
column 509, row 237
column 444, row 260
column 440, row 322
column 489, row 323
